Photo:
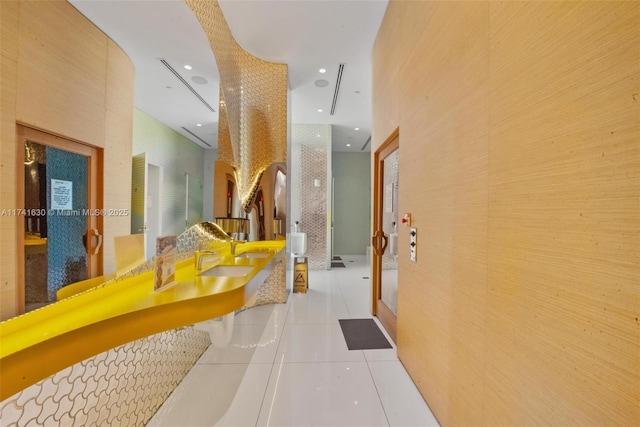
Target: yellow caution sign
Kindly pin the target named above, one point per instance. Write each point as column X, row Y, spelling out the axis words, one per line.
column 300, row 274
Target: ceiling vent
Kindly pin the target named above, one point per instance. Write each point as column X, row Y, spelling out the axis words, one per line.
column 196, row 136
column 366, row 143
column 184, row 82
column 337, row 91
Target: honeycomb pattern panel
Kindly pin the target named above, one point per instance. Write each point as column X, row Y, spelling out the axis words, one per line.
column 274, row 289
column 67, row 256
column 310, row 186
column 124, row 386
column 252, row 128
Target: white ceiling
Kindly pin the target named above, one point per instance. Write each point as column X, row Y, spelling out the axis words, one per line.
column 305, row 34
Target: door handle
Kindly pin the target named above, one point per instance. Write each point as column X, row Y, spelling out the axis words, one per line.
column 376, row 241
column 96, row 249
column 386, row 241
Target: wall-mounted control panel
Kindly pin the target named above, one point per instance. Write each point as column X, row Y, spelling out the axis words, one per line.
column 413, row 241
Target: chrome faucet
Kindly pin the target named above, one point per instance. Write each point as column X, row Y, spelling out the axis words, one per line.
column 199, row 256
column 234, row 243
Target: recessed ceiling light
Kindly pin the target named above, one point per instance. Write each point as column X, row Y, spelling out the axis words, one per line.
column 321, row 83
column 322, row 70
column 188, row 67
column 319, row 110
column 356, row 128
column 348, row 145
column 198, row 124
column 357, row 92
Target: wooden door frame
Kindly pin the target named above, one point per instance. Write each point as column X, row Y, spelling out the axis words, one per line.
column 94, row 196
column 386, row 316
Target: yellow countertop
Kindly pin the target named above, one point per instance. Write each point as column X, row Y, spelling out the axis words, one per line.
column 40, row 343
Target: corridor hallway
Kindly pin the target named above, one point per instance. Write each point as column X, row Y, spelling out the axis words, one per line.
column 288, row 365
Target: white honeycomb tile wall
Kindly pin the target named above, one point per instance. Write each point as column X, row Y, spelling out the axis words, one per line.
column 311, row 165
column 124, row 386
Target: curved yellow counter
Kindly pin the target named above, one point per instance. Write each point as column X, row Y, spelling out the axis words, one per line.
column 40, row 343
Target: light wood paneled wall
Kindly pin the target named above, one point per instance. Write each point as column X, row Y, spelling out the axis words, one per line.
column 9, row 15
column 62, row 75
column 117, row 148
column 61, row 70
column 386, row 77
column 520, row 158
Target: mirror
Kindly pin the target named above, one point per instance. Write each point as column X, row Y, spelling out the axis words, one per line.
column 267, row 218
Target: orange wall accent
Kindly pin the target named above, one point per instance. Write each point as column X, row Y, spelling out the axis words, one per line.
column 520, row 158
column 61, row 74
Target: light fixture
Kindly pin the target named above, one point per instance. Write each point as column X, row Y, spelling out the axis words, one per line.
column 188, row 67
column 198, row 124
column 348, row 145
column 319, row 110
column 356, row 128
column 322, row 70
column 29, row 157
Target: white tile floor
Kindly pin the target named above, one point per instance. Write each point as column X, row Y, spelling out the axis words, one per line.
column 288, row 365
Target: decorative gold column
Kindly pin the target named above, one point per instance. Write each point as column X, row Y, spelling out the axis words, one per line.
column 252, row 128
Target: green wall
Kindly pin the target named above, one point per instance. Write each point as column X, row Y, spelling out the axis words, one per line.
column 177, row 156
column 352, row 202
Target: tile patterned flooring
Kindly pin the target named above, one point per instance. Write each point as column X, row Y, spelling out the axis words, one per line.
column 288, row 365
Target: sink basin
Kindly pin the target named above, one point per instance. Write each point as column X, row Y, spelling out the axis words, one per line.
column 228, row 270
column 254, row 255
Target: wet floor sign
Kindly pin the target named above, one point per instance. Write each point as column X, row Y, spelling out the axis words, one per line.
column 300, row 274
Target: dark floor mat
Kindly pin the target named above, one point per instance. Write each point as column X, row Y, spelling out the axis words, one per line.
column 363, row 334
column 337, row 264
column 336, row 258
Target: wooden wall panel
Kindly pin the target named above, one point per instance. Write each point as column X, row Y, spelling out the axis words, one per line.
column 564, row 173
column 443, row 183
column 9, row 15
column 385, row 78
column 520, row 158
column 117, row 156
column 62, row 72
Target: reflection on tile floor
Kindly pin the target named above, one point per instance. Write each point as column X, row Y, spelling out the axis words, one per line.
column 288, row 365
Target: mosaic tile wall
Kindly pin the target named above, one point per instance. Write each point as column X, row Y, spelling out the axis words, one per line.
column 124, row 386
column 311, row 165
column 67, row 256
column 252, row 128
column 274, row 288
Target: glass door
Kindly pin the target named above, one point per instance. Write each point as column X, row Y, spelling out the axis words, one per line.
column 62, row 221
column 384, row 240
